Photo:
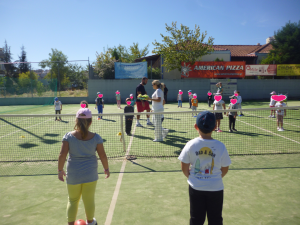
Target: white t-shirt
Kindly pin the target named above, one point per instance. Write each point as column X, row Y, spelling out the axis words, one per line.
column 57, row 105
column 206, row 158
column 158, row 106
column 278, row 111
column 191, row 96
column 218, row 104
column 272, row 102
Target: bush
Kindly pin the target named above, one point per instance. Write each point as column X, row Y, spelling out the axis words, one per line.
column 40, row 89
column 156, row 74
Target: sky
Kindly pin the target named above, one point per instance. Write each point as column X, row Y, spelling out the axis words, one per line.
column 80, row 28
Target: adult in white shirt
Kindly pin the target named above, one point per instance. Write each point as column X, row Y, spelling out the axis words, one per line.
column 157, row 106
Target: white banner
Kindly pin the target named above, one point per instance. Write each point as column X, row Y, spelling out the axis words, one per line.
column 261, row 70
column 229, row 86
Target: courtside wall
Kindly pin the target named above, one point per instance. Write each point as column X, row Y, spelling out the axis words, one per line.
column 249, row 89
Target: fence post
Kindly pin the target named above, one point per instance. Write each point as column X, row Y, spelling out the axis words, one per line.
column 122, row 133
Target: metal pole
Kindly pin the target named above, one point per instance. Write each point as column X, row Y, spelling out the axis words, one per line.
column 122, row 133
column 151, row 69
column 58, row 79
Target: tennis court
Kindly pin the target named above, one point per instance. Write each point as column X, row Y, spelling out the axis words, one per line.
column 260, row 188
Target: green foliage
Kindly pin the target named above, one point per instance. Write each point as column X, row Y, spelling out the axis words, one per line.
column 285, row 46
column 184, row 45
column 40, row 89
column 219, row 60
column 27, row 81
column 122, row 54
column 156, row 73
column 23, row 67
column 105, row 65
column 10, row 69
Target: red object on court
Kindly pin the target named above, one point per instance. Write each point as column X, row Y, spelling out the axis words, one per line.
column 80, row 222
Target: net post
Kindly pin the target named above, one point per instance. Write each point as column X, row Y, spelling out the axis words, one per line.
column 122, row 133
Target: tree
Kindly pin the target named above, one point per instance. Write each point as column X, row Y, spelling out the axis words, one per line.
column 78, row 76
column 9, row 68
column 27, row 81
column 58, row 64
column 23, row 67
column 136, row 53
column 184, row 45
column 286, row 45
column 105, row 65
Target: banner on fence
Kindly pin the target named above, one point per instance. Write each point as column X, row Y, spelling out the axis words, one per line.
column 213, row 70
column 288, row 70
column 260, row 70
column 229, row 85
column 130, row 70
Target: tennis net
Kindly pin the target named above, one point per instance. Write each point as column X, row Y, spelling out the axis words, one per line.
column 30, row 144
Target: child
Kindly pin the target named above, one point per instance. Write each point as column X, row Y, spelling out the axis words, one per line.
column 205, row 161
column 128, row 119
column 280, row 114
column 232, row 115
column 84, row 102
column 99, row 104
column 132, row 103
column 218, row 106
column 272, row 104
column 190, row 97
column 57, row 107
column 118, row 98
column 194, row 104
column 209, row 98
column 82, row 166
column 179, row 99
column 239, row 102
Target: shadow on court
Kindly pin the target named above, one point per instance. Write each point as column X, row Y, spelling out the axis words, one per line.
column 29, row 145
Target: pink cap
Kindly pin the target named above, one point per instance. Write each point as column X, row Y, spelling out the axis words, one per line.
column 84, row 113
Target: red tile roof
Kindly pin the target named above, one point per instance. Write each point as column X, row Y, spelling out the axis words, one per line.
column 246, row 50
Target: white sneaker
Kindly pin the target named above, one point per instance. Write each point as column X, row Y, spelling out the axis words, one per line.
column 165, row 133
column 156, row 140
column 282, row 129
column 138, row 125
column 273, row 116
column 270, row 116
column 92, row 223
column 277, row 128
column 149, row 123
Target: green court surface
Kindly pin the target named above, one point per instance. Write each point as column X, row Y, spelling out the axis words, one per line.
column 262, row 188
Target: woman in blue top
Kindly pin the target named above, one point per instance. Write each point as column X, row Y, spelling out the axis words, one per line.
column 82, row 166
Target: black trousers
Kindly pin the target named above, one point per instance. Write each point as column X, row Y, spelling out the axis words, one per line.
column 57, row 112
column 206, row 202
column 231, row 122
column 190, row 100
column 128, row 125
column 209, row 102
column 165, row 97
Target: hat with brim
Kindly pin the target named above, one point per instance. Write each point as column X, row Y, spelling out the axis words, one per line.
column 206, row 121
column 84, row 113
column 273, row 93
column 233, row 96
column 98, row 93
column 189, row 90
column 56, row 98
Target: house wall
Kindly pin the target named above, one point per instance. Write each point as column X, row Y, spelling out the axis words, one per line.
column 175, row 74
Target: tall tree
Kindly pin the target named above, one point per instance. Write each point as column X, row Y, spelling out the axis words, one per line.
column 23, row 67
column 58, row 64
column 183, row 45
column 105, row 65
column 136, row 53
column 286, row 45
column 9, row 68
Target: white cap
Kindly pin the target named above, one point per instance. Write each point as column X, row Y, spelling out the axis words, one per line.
column 180, row 90
column 194, row 94
column 131, row 95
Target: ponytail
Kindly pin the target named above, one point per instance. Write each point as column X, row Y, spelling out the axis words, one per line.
column 82, row 125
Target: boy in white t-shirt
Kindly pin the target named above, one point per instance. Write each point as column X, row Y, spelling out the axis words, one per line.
column 218, row 106
column 179, row 99
column 280, row 114
column 57, row 107
column 239, row 102
column 205, row 161
column 272, row 104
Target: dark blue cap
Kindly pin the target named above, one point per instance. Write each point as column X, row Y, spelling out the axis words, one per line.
column 206, row 121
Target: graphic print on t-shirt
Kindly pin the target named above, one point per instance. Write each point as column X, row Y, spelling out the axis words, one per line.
column 205, row 163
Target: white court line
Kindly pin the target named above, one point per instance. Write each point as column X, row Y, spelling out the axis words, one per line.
column 117, row 189
column 269, row 132
column 272, row 120
column 28, row 127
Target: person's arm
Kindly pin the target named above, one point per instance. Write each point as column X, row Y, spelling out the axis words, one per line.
column 185, row 169
column 158, row 99
column 177, row 97
column 227, row 112
column 224, row 108
column 214, row 107
column 62, row 159
column 103, row 104
column 224, row 170
column 103, row 158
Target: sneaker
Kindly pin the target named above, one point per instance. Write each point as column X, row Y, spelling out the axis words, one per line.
column 282, row 129
column 138, row 125
column 165, row 133
column 242, row 114
column 149, row 123
column 157, row 140
column 230, row 131
column 98, row 118
column 273, row 116
column 128, row 134
column 270, row 116
column 234, row 129
column 92, row 223
column 278, row 128
column 219, row 131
